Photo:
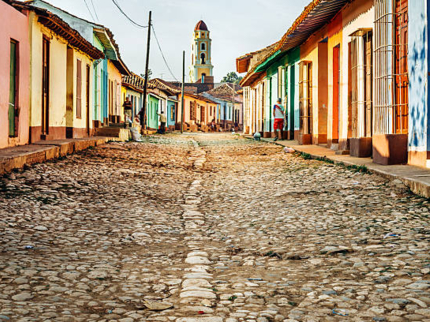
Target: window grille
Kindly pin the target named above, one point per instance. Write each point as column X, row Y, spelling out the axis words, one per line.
column 391, row 71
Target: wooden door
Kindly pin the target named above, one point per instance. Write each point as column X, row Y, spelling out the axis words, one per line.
column 87, row 101
column 336, row 92
column 309, row 99
column 78, row 89
column 368, row 86
column 45, row 86
column 13, row 88
column 202, row 114
column 401, row 68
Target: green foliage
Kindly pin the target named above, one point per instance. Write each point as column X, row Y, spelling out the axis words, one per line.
column 232, row 77
column 306, row 156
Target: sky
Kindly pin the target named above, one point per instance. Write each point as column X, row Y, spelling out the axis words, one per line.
column 237, row 27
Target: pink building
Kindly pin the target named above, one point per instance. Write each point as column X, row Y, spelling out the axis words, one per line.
column 15, row 77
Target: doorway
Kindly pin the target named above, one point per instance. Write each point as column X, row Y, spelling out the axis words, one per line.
column 322, row 91
column 13, row 89
column 87, row 101
column 336, row 93
column 45, row 87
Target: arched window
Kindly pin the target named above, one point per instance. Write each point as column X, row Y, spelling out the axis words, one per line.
column 203, row 77
column 203, row 59
column 203, row 46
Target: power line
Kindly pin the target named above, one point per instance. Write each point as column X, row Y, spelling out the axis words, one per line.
column 95, row 11
column 162, row 54
column 131, row 20
column 86, row 4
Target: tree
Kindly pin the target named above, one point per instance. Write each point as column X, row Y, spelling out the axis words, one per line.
column 232, row 77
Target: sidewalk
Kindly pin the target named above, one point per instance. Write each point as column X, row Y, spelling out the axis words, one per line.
column 416, row 178
column 20, row 156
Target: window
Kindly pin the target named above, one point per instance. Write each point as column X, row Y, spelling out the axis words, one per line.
column 13, row 89
column 78, row 89
column 202, row 59
column 391, row 104
column 281, row 82
column 360, row 84
column 203, row 46
column 203, row 77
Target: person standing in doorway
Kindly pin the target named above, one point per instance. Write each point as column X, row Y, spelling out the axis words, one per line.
column 128, row 111
column 279, row 115
column 163, row 120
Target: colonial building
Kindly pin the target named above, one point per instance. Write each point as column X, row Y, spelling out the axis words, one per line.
column 201, row 69
column 353, row 76
column 107, row 72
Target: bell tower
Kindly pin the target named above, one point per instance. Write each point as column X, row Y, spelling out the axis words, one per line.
column 201, row 69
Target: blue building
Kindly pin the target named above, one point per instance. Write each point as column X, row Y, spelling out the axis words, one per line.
column 228, row 112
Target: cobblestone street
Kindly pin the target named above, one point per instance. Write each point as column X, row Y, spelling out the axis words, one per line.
column 209, row 228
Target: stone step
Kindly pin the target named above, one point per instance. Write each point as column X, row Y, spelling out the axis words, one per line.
column 114, row 132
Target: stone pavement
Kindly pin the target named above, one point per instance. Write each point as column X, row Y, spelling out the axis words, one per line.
column 209, row 228
column 416, row 178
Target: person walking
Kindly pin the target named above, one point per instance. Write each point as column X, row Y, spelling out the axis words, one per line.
column 163, row 121
column 279, row 115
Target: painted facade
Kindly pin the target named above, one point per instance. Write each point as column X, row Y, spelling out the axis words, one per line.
column 61, row 75
column 115, row 110
column 153, row 107
column 14, row 84
column 358, row 82
column 106, row 83
column 419, row 73
column 171, row 113
column 199, row 111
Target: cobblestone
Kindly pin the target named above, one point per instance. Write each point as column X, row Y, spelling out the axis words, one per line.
column 209, row 228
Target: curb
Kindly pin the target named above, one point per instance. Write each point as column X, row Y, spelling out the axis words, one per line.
column 40, row 152
column 417, row 187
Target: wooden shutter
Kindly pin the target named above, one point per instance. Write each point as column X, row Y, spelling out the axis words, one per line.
column 78, row 89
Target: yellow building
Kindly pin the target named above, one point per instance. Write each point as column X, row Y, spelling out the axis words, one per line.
column 199, row 111
column 61, row 75
column 201, row 58
column 116, row 114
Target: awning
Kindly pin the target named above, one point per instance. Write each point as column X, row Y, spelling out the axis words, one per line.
column 268, row 62
column 314, row 17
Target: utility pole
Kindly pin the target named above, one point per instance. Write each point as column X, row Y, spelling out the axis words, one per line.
column 233, row 108
column 182, row 92
column 145, row 88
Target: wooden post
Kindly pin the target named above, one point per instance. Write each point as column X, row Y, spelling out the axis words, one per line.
column 145, row 88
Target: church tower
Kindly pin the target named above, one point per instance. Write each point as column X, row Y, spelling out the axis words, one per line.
column 201, row 58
